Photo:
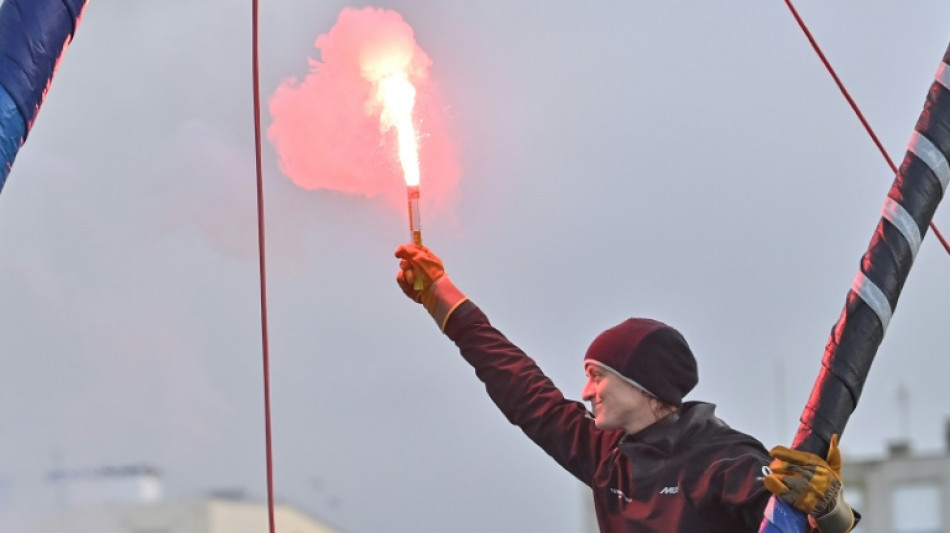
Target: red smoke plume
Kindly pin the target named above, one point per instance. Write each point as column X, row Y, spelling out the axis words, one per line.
column 326, row 128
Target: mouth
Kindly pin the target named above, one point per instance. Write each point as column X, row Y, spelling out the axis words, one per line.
column 592, row 412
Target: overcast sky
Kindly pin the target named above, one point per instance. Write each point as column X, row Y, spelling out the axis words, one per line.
column 687, row 161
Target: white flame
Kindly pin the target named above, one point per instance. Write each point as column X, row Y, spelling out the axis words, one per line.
column 398, row 97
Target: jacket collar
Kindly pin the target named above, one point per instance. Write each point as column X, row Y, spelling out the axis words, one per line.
column 665, row 436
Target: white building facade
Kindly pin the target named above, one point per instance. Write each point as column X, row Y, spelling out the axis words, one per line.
column 206, row 516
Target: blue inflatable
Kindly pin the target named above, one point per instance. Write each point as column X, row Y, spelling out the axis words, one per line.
column 33, row 36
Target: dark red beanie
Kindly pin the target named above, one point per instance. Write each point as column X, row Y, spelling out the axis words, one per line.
column 649, row 353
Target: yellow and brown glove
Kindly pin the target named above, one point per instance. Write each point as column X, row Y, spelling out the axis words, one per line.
column 812, row 485
column 438, row 295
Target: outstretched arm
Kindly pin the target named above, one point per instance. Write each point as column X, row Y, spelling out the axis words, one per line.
column 514, row 382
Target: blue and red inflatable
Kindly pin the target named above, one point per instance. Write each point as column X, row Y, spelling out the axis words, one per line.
column 33, row 36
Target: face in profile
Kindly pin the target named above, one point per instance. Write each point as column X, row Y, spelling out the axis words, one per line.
column 614, row 402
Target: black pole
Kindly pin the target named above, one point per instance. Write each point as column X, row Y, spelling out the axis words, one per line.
column 919, row 186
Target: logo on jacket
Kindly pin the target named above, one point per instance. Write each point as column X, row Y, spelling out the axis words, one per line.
column 621, row 495
column 675, row 489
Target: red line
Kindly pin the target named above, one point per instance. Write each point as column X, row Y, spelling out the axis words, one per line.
column 263, row 270
column 854, row 106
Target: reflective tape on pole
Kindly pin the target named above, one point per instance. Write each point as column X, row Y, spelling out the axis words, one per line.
column 919, row 186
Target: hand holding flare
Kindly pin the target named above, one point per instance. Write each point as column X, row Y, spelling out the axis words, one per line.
column 419, row 266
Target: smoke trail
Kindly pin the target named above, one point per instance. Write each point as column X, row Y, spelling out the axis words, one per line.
column 326, row 127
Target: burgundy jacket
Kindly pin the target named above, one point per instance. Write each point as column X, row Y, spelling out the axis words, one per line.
column 689, row 472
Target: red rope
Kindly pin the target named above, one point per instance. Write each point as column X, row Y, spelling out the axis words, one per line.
column 263, row 271
column 854, row 106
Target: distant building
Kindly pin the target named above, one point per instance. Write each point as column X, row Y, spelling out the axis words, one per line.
column 128, row 499
column 205, row 516
column 904, row 492
column 106, row 485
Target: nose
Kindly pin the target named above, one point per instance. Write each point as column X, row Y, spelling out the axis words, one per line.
column 588, row 393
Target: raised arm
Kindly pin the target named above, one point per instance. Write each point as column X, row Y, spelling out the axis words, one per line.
column 519, row 388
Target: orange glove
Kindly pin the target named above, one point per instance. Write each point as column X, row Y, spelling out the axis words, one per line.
column 811, row 485
column 438, row 295
column 417, row 259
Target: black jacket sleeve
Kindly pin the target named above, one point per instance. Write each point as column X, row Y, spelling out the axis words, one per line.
column 734, row 485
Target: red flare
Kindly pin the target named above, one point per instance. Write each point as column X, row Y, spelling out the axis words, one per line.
column 326, row 127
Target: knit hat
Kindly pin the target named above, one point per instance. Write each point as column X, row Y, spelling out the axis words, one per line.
column 648, row 354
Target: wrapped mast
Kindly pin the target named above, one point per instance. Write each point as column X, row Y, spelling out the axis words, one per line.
column 920, row 184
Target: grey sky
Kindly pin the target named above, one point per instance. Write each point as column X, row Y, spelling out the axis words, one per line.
column 687, row 161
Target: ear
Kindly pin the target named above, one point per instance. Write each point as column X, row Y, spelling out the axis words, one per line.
column 660, row 408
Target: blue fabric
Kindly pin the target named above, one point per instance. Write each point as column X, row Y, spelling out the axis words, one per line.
column 33, row 35
column 12, row 131
column 781, row 517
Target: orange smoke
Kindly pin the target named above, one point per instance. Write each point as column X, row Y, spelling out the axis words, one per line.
column 327, row 128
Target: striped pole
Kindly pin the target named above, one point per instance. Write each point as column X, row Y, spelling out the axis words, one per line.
column 33, row 36
column 920, row 184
